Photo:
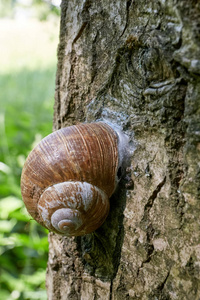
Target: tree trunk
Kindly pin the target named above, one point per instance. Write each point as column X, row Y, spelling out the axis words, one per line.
column 136, row 64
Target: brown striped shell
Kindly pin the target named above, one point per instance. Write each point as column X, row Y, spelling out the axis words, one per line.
column 69, row 176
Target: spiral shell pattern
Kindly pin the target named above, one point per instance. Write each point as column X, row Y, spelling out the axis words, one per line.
column 69, row 176
column 77, row 206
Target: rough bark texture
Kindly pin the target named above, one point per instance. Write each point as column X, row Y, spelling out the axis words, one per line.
column 135, row 63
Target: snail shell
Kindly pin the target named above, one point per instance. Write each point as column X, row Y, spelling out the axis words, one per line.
column 69, row 176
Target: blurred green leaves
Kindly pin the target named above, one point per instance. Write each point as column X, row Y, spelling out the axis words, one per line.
column 42, row 9
column 26, row 113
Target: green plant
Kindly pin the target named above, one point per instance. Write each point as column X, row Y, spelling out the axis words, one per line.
column 26, row 113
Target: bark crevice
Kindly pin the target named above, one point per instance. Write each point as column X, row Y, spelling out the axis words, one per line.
column 135, row 64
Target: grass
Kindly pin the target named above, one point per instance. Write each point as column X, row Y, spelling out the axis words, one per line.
column 27, row 83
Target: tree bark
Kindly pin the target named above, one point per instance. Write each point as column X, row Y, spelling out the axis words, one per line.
column 136, row 64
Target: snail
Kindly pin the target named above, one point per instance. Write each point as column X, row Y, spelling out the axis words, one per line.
column 70, row 175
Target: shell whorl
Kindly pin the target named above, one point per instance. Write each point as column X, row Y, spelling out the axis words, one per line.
column 84, row 157
column 73, row 208
column 66, row 220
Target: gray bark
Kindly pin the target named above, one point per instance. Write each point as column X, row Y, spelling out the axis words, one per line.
column 135, row 63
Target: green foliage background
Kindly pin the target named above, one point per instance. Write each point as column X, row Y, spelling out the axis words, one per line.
column 27, row 83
